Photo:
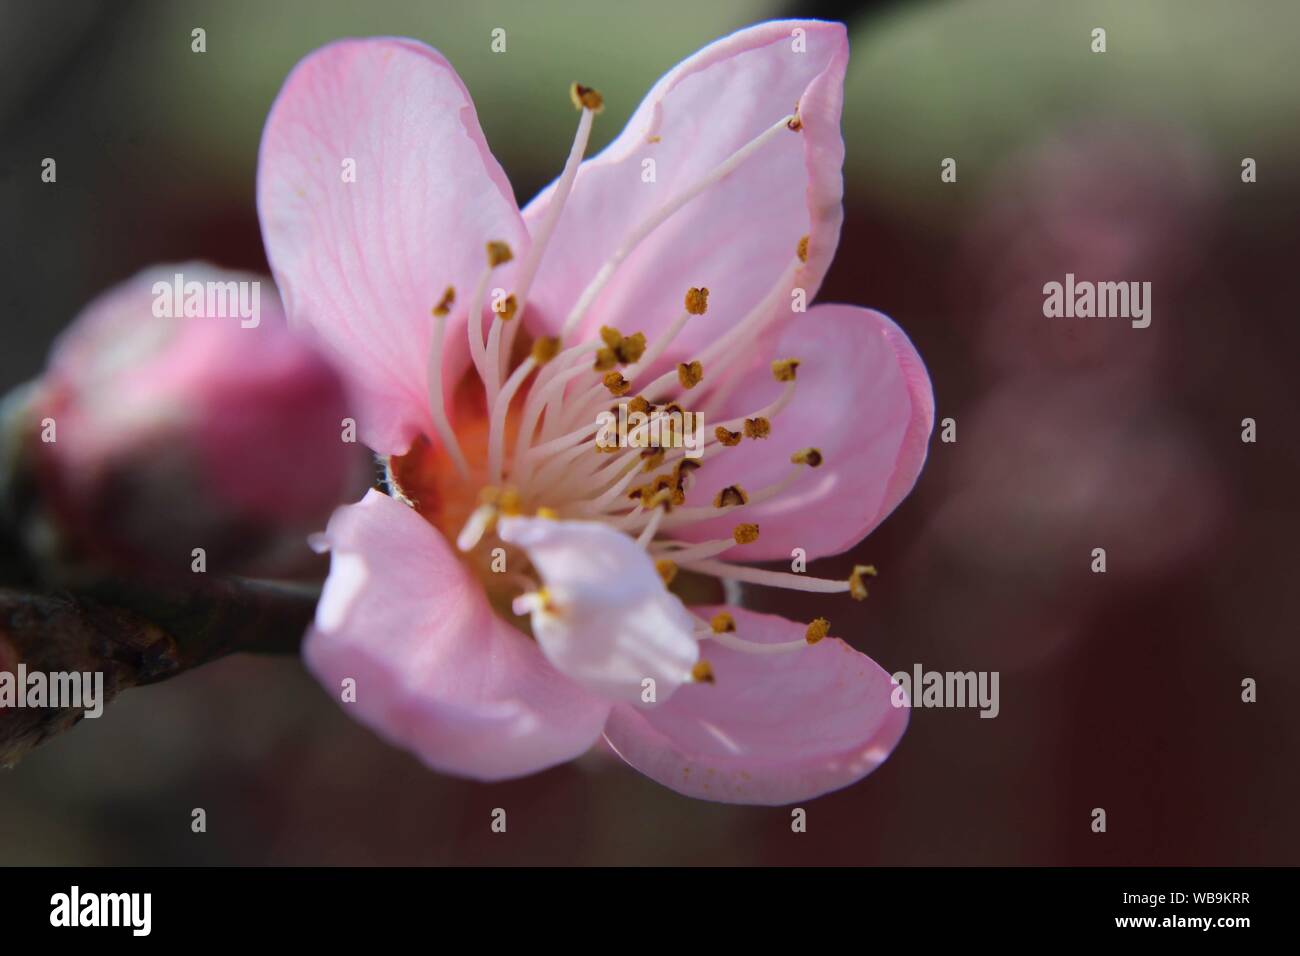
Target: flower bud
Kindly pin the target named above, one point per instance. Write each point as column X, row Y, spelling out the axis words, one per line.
column 180, row 412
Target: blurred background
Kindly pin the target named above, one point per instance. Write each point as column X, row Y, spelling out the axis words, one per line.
column 1119, row 690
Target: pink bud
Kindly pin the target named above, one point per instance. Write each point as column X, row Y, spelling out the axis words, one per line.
column 179, row 412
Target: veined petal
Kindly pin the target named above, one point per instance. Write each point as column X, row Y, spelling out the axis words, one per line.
column 376, row 190
column 773, row 728
column 863, row 399
column 740, row 234
column 436, row 671
column 607, row 620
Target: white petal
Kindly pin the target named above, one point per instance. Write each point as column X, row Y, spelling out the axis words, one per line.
column 609, row 622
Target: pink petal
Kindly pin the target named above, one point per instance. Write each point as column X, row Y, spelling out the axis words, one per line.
column 738, row 236
column 773, row 728
column 863, row 398
column 436, row 671
column 608, row 621
column 363, row 262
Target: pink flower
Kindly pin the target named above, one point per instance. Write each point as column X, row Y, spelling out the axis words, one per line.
column 176, row 411
column 508, row 605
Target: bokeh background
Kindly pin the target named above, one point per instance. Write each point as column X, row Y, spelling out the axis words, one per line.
column 1119, row 691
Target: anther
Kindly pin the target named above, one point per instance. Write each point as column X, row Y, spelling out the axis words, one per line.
column 802, row 249
column 783, row 369
column 727, row 438
column 585, row 98
column 808, row 456
column 498, row 253
column 446, row 302
column 858, row 590
column 697, row 300
column 509, row 306
column 745, row 533
column 549, row 514
column 702, row 672
column 818, row 629
column 545, row 349
column 667, row 570
column 757, row 427
column 723, row 623
column 616, row 383
column 690, row 375
column 730, row 497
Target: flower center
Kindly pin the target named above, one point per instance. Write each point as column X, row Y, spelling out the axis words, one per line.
column 561, row 464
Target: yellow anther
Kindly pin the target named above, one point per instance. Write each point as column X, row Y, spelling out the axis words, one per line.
column 446, row 302
column 549, row 514
column 794, row 122
column 727, row 438
column 783, row 369
column 508, row 502
column 605, row 360
column 545, row 349
column 631, row 348
column 585, row 98
column 723, row 623
column 757, row 427
column 803, row 249
column 745, row 533
column 667, row 570
column 730, row 496
column 697, row 300
column 702, row 672
column 639, row 404
column 858, row 590
column 616, row 383
column 612, row 337
column 808, row 456
column 690, row 375
column 509, row 306
column 498, row 253
column 818, row 629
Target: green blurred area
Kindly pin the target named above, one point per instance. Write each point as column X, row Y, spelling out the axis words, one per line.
column 927, row 80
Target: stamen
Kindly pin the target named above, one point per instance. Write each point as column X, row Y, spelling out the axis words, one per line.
column 783, row 370
column 802, row 249
column 616, row 383
column 702, row 672
column 652, row 526
column 661, row 215
column 776, row 579
column 667, row 570
column 690, row 375
column 745, row 533
column 585, row 98
column 757, row 427
column 500, row 411
column 726, row 437
column 817, row 629
column 808, row 456
column 446, row 302
column 437, row 408
column 729, row 640
column 730, row 497
column 858, row 590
